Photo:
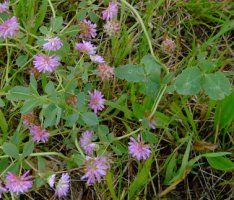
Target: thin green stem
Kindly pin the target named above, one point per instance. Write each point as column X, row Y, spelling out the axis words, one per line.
column 146, row 34
column 128, row 135
column 41, row 154
column 52, row 8
column 157, row 100
column 8, row 61
column 78, row 148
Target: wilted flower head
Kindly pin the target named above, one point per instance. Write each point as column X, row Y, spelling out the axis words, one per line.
column 97, row 58
column 44, row 63
column 112, row 28
column 28, row 119
column 138, row 149
column 62, row 187
column 39, row 134
column 110, row 12
column 94, row 169
column 168, row 45
column 4, row 7
column 2, row 189
column 53, row 44
column 18, row 184
column 88, row 29
column 105, row 72
column 35, row 72
column 86, row 142
column 9, row 28
column 86, row 47
column 96, row 102
column 72, row 100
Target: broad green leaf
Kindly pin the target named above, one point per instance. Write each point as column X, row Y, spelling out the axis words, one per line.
column 11, row 150
column 103, row 131
column 141, row 179
column 28, row 148
column 29, row 105
column 81, row 15
column 21, row 60
column 44, row 30
column 216, row 85
column 49, row 88
column 189, row 81
column 152, row 68
column 56, row 23
column 130, row 73
column 90, row 118
column 221, row 163
column 224, row 113
column 50, row 115
column 71, row 119
column 18, row 93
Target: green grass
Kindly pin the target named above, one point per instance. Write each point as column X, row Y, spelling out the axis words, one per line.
column 194, row 132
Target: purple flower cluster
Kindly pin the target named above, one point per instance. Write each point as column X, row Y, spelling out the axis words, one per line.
column 38, row 133
column 95, row 169
column 4, row 7
column 9, row 28
column 44, row 63
column 96, row 102
column 88, row 29
column 18, row 184
column 86, row 142
column 110, row 12
column 53, row 44
column 138, row 149
column 62, row 186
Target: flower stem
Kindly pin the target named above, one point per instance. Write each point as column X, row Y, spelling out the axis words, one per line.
column 52, row 8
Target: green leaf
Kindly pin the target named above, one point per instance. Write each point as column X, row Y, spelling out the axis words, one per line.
column 90, row 118
column 18, row 93
column 130, row 73
column 11, row 150
column 152, row 68
column 71, row 119
column 103, row 131
column 21, row 60
column 189, row 81
column 44, row 30
column 29, row 105
column 49, row 88
column 56, row 23
column 2, row 104
column 81, row 15
column 224, row 113
column 3, row 123
column 216, row 85
column 221, row 163
column 28, row 148
column 141, row 179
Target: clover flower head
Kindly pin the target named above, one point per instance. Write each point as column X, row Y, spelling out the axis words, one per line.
column 53, row 44
column 110, row 11
column 9, row 28
column 138, row 149
column 88, row 29
column 39, row 134
column 95, row 169
column 18, row 184
column 96, row 102
column 44, row 63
